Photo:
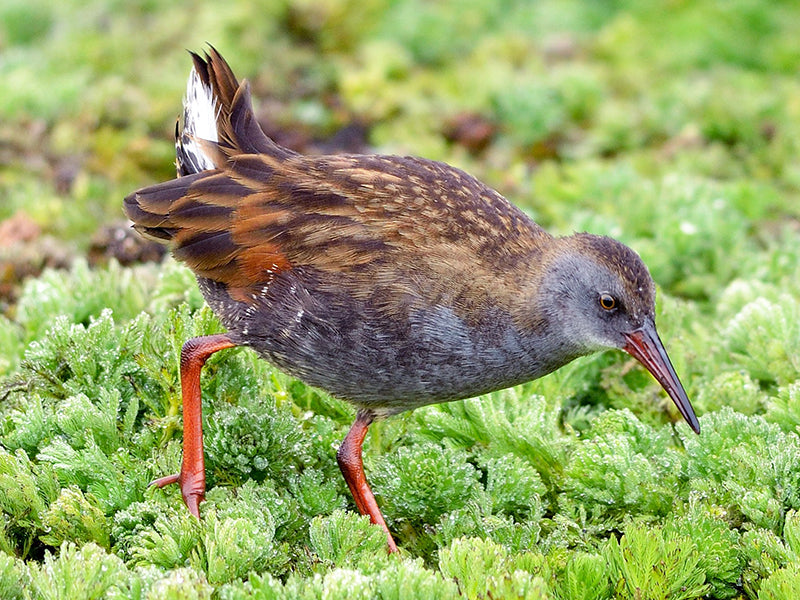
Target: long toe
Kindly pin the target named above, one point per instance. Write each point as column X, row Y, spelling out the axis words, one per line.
column 166, row 480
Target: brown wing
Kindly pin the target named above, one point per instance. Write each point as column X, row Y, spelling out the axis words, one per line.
column 339, row 214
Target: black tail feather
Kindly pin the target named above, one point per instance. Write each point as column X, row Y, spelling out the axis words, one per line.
column 149, row 208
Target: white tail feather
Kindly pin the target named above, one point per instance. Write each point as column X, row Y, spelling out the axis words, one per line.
column 200, row 113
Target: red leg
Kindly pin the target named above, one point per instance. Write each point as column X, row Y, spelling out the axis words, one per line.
column 192, row 477
column 349, row 458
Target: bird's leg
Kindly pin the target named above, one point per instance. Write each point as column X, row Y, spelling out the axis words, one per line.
column 349, row 458
column 192, row 477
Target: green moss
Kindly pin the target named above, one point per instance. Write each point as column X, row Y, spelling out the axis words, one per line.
column 781, row 585
column 80, row 574
column 22, row 503
column 485, row 569
column 623, row 467
column 423, row 482
column 765, row 554
column 747, row 464
column 654, row 563
column 512, row 421
column 14, row 578
column 734, row 389
column 183, row 583
column 708, row 528
column 74, row 516
column 345, row 540
column 764, row 339
column 585, row 577
column 678, row 138
column 514, row 486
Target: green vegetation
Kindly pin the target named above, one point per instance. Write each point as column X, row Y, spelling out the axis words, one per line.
column 673, row 126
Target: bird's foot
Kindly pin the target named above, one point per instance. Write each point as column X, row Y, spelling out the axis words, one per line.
column 193, row 488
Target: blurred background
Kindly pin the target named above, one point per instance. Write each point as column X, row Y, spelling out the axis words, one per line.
column 673, row 125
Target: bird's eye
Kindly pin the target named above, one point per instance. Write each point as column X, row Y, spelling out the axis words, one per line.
column 607, row 301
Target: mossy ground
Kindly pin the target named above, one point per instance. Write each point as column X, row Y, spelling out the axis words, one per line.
column 673, row 126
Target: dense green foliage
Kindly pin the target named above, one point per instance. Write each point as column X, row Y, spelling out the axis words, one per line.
column 673, row 126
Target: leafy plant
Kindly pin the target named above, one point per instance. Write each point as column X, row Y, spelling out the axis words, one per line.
column 677, row 138
column 650, row 562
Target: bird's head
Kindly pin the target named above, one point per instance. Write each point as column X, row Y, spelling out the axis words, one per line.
column 599, row 294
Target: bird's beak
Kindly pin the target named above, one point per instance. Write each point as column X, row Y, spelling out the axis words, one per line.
column 645, row 346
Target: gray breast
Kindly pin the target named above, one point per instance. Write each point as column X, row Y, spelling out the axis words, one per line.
column 352, row 350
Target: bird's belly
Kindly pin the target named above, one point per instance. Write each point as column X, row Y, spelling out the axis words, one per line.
column 385, row 362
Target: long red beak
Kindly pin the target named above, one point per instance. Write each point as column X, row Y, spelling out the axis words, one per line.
column 645, row 346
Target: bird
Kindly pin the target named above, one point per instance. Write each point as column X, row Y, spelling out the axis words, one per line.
column 392, row 282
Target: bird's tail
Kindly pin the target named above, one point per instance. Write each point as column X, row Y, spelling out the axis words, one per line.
column 218, row 119
column 218, row 124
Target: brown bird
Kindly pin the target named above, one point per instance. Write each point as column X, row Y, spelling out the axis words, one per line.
column 391, row 282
